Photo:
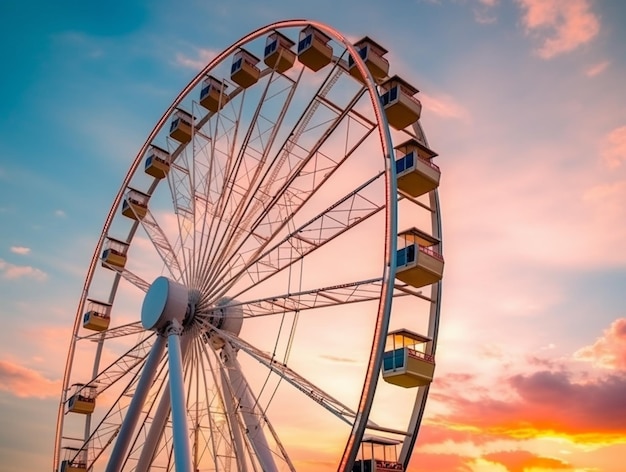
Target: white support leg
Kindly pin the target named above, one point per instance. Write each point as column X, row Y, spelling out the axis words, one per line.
column 159, row 420
column 247, row 404
column 233, row 420
column 180, row 428
column 136, row 404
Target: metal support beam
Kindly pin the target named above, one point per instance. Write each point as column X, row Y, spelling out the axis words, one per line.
column 180, row 428
column 247, row 405
column 136, row 404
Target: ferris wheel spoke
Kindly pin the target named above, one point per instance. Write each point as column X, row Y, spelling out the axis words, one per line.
column 180, row 186
column 118, row 331
column 309, row 389
column 121, row 366
column 307, row 170
column 254, row 190
column 162, row 245
column 282, row 157
column 345, row 214
column 129, row 276
column 266, row 122
column 353, row 292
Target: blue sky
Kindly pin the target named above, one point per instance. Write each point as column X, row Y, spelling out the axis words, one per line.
column 523, row 101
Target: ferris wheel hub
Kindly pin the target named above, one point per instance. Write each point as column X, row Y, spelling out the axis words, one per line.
column 165, row 301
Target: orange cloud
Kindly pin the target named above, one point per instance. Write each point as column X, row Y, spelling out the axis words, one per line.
column 546, row 404
column 562, row 26
column 522, row 461
column 24, row 382
column 614, row 148
column 608, row 351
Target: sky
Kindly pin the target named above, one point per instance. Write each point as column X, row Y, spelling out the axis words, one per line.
column 524, row 103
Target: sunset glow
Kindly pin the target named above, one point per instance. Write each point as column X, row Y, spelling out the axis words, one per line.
column 524, row 102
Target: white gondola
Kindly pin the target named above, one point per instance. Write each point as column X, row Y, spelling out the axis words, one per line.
column 180, row 127
column 418, row 260
column 401, row 107
column 416, row 173
column 74, row 460
column 213, row 94
column 405, row 361
column 158, row 162
column 313, row 48
column 372, row 54
column 244, row 71
column 114, row 253
column 83, row 400
column 97, row 315
column 377, row 454
column 135, row 204
column 278, row 52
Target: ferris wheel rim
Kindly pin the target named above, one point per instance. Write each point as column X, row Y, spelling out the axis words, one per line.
column 390, row 226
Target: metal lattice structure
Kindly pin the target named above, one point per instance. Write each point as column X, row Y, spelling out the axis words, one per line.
column 259, row 245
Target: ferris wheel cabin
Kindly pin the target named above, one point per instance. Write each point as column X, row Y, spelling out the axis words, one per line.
column 135, row 204
column 405, row 361
column 244, row 71
column 377, row 454
column 114, row 253
column 213, row 94
column 372, row 54
column 83, row 400
column 416, row 173
column 278, row 52
column 401, row 107
column 180, row 127
column 158, row 162
column 313, row 48
column 418, row 261
column 98, row 315
column 74, row 460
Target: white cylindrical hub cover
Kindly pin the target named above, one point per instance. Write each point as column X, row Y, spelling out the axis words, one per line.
column 165, row 301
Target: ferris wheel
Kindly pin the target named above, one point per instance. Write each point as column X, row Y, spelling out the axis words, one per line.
column 265, row 293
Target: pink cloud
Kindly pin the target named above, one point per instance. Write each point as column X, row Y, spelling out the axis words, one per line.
column 545, row 403
column 614, row 148
column 197, row 63
column 444, row 106
column 21, row 250
column 12, row 271
column 24, row 382
column 562, row 26
column 597, row 69
column 608, row 351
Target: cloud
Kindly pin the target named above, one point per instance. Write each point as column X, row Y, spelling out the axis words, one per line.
column 561, row 26
column 197, row 63
column 444, row 106
column 524, row 461
column 20, row 250
column 60, row 213
column 614, row 148
column 597, row 69
column 26, row 383
column 609, row 351
column 546, row 404
column 12, row 271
